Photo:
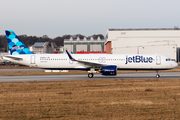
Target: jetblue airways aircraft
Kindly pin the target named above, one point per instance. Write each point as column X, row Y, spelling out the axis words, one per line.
column 107, row 64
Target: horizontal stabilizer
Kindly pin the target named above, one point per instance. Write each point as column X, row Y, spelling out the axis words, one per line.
column 14, row 58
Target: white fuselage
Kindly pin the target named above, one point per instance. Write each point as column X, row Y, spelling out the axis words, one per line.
column 122, row 61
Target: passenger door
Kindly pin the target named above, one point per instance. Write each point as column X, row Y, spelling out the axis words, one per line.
column 158, row 60
column 32, row 59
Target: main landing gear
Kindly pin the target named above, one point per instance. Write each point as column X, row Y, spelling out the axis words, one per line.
column 157, row 75
column 90, row 75
column 92, row 70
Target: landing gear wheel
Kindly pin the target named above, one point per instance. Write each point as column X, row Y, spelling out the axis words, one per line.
column 157, row 75
column 90, row 75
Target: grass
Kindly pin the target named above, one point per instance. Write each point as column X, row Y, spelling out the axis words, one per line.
column 96, row 99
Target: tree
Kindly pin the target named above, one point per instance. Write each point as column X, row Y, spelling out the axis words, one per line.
column 30, row 40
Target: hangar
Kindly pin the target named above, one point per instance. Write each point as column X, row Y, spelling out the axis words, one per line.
column 164, row 41
column 77, row 45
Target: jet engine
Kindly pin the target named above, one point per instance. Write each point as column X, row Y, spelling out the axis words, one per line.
column 109, row 70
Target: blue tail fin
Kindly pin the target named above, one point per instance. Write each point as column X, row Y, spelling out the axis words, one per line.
column 16, row 46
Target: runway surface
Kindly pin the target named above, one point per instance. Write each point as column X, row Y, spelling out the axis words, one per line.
column 19, row 70
column 164, row 75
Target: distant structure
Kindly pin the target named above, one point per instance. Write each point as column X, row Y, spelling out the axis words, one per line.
column 45, row 47
column 164, row 41
column 79, row 45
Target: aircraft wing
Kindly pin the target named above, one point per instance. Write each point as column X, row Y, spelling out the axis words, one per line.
column 14, row 58
column 92, row 64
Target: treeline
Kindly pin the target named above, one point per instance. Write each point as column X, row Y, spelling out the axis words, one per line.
column 30, row 40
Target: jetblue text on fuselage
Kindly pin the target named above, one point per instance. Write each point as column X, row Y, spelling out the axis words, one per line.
column 138, row 59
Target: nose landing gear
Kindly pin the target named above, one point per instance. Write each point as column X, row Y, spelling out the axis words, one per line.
column 157, row 75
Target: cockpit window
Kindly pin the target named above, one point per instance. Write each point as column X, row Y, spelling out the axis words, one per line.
column 169, row 59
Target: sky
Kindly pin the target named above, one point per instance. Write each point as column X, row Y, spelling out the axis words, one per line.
column 87, row 17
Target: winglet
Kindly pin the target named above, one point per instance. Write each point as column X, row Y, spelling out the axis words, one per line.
column 69, row 55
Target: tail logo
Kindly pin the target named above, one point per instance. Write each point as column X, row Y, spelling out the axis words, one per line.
column 16, row 46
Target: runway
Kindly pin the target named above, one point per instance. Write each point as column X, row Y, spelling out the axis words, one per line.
column 19, row 70
column 164, row 75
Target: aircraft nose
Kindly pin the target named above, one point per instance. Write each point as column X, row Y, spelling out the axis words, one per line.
column 174, row 65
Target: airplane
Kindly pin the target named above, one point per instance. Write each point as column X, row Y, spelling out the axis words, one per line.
column 107, row 64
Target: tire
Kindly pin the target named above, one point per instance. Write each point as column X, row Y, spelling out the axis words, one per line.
column 90, row 75
column 158, row 76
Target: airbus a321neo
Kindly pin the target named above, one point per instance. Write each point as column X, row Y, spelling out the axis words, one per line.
column 107, row 64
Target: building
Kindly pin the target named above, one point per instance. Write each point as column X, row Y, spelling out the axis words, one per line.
column 76, row 44
column 164, row 41
column 45, row 47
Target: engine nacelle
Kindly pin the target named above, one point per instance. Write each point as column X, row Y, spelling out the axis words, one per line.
column 109, row 70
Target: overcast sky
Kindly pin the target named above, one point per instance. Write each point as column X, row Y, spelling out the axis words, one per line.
column 87, row 17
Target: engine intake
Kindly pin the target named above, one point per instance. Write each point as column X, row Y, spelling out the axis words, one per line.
column 109, row 70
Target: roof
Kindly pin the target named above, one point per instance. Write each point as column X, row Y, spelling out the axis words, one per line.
column 39, row 44
column 137, row 29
